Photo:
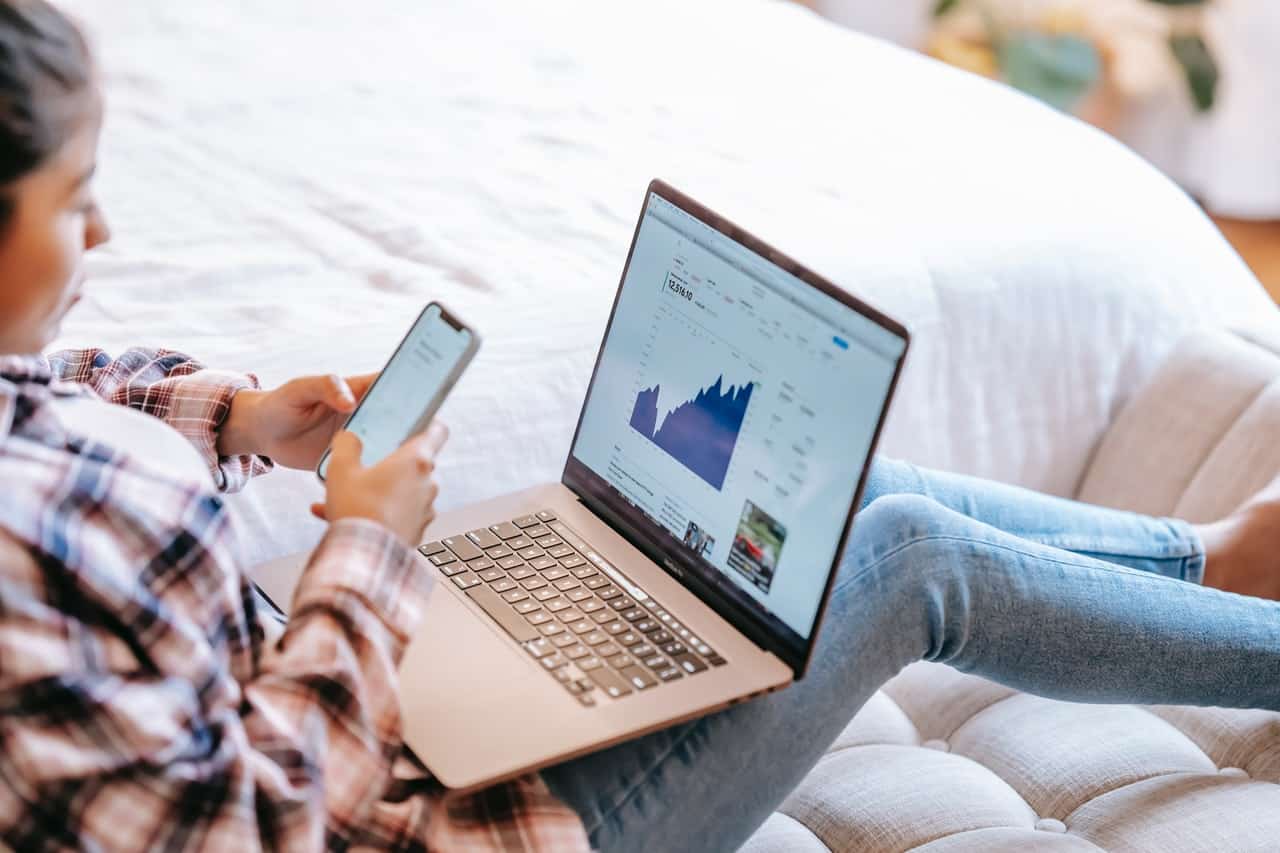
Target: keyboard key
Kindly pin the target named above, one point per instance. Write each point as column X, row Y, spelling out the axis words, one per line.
column 537, row 531
column 660, row 637
column 630, row 638
column 519, row 542
column 551, row 629
column 603, row 616
column 545, row 515
column 610, row 683
column 644, row 626
column 555, row 605
column 673, row 648
column 484, row 538
column 491, row 575
column 609, row 593
column 546, row 594
column 533, row 583
column 568, row 584
column 503, row 585
column 639, row 679
column 586, row 700
column 623, row 603
column 587, row 606
column 514, row 596
column 608, row 650
column 716, row 660
column 572, row 562
column 501, row 612
column 527, row 521
column 554, row 661
column 505, row 530
column 462, row 547
column 583, row 627
column 616, row 628
column 498, row 552
column 453, row 568
column 562, row 640
column 595, row 638
column 588, row 664
column 511, row 563
column 558, row 551
column 571, row 685
column 620, row 661
column 522, row 572
column 584, row 573
column 545, row 562
column 554, row 574
column 530, row 552
column 527, row 606
column 595, row 582
column 635, row 614
column 704, row 650
column 655, row 662
column 466, row 580
column 576, row 651
column 538, row 617
column 548, row 541
column 539, row 648
column 689, row 663
column 579, row 594
column 643, row 650
column 671, row 673
column 431, row 548
column 480, row 564
column 442, row 559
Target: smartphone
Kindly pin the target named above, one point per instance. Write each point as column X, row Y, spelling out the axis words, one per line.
column 410, row 389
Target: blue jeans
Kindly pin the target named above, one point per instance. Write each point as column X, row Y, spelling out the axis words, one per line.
column 1046, row 595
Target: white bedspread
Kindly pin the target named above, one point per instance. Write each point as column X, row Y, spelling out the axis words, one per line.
column 290, row 181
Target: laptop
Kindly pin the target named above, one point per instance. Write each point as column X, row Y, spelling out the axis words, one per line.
column 683, row 561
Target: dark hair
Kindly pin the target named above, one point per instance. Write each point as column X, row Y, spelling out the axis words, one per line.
column 44, row 64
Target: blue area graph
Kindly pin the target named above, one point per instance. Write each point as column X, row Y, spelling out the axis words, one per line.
column 699, row 433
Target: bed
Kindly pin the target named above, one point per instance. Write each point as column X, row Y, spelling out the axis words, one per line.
column 290, row 182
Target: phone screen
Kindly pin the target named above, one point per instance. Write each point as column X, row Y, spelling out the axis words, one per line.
column 410, row 385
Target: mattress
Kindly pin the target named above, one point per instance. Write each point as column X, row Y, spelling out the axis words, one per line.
column 290, row 182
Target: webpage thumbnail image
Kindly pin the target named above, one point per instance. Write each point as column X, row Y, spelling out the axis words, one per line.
column 699, row 541
column 757, row 545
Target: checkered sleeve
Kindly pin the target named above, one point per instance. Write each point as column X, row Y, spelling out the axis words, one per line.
column 175, row 388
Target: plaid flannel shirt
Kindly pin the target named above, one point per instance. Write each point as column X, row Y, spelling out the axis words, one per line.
column 141, row 707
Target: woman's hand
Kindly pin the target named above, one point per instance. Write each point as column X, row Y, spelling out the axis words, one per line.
column 292, row 424
column 399, row 492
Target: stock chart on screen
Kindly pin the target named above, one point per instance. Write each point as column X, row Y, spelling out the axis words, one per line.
column 700, row 433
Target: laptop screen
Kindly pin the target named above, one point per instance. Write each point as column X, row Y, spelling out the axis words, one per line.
column 733, row 408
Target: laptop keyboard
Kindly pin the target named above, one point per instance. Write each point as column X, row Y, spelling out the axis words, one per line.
column 591, row 628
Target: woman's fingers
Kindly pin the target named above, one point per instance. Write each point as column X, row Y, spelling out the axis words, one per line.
column 361, row 384
column 317, row 509
column 344, row 453
column 338, row 393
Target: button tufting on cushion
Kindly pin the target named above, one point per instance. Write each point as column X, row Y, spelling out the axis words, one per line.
column 943, row 762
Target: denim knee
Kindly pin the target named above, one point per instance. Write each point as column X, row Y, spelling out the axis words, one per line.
column 895, row 520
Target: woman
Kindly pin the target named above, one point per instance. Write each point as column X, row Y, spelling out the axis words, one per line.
column 147, row 699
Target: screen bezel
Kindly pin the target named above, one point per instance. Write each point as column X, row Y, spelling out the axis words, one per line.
column 659, row 544
column 433, row 404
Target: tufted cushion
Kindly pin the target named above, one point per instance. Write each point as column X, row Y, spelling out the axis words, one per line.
column 941, row 762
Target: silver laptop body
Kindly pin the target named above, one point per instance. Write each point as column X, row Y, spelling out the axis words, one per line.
column 683, row 562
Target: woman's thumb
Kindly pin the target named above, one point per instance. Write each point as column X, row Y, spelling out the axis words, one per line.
column 345, row 450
